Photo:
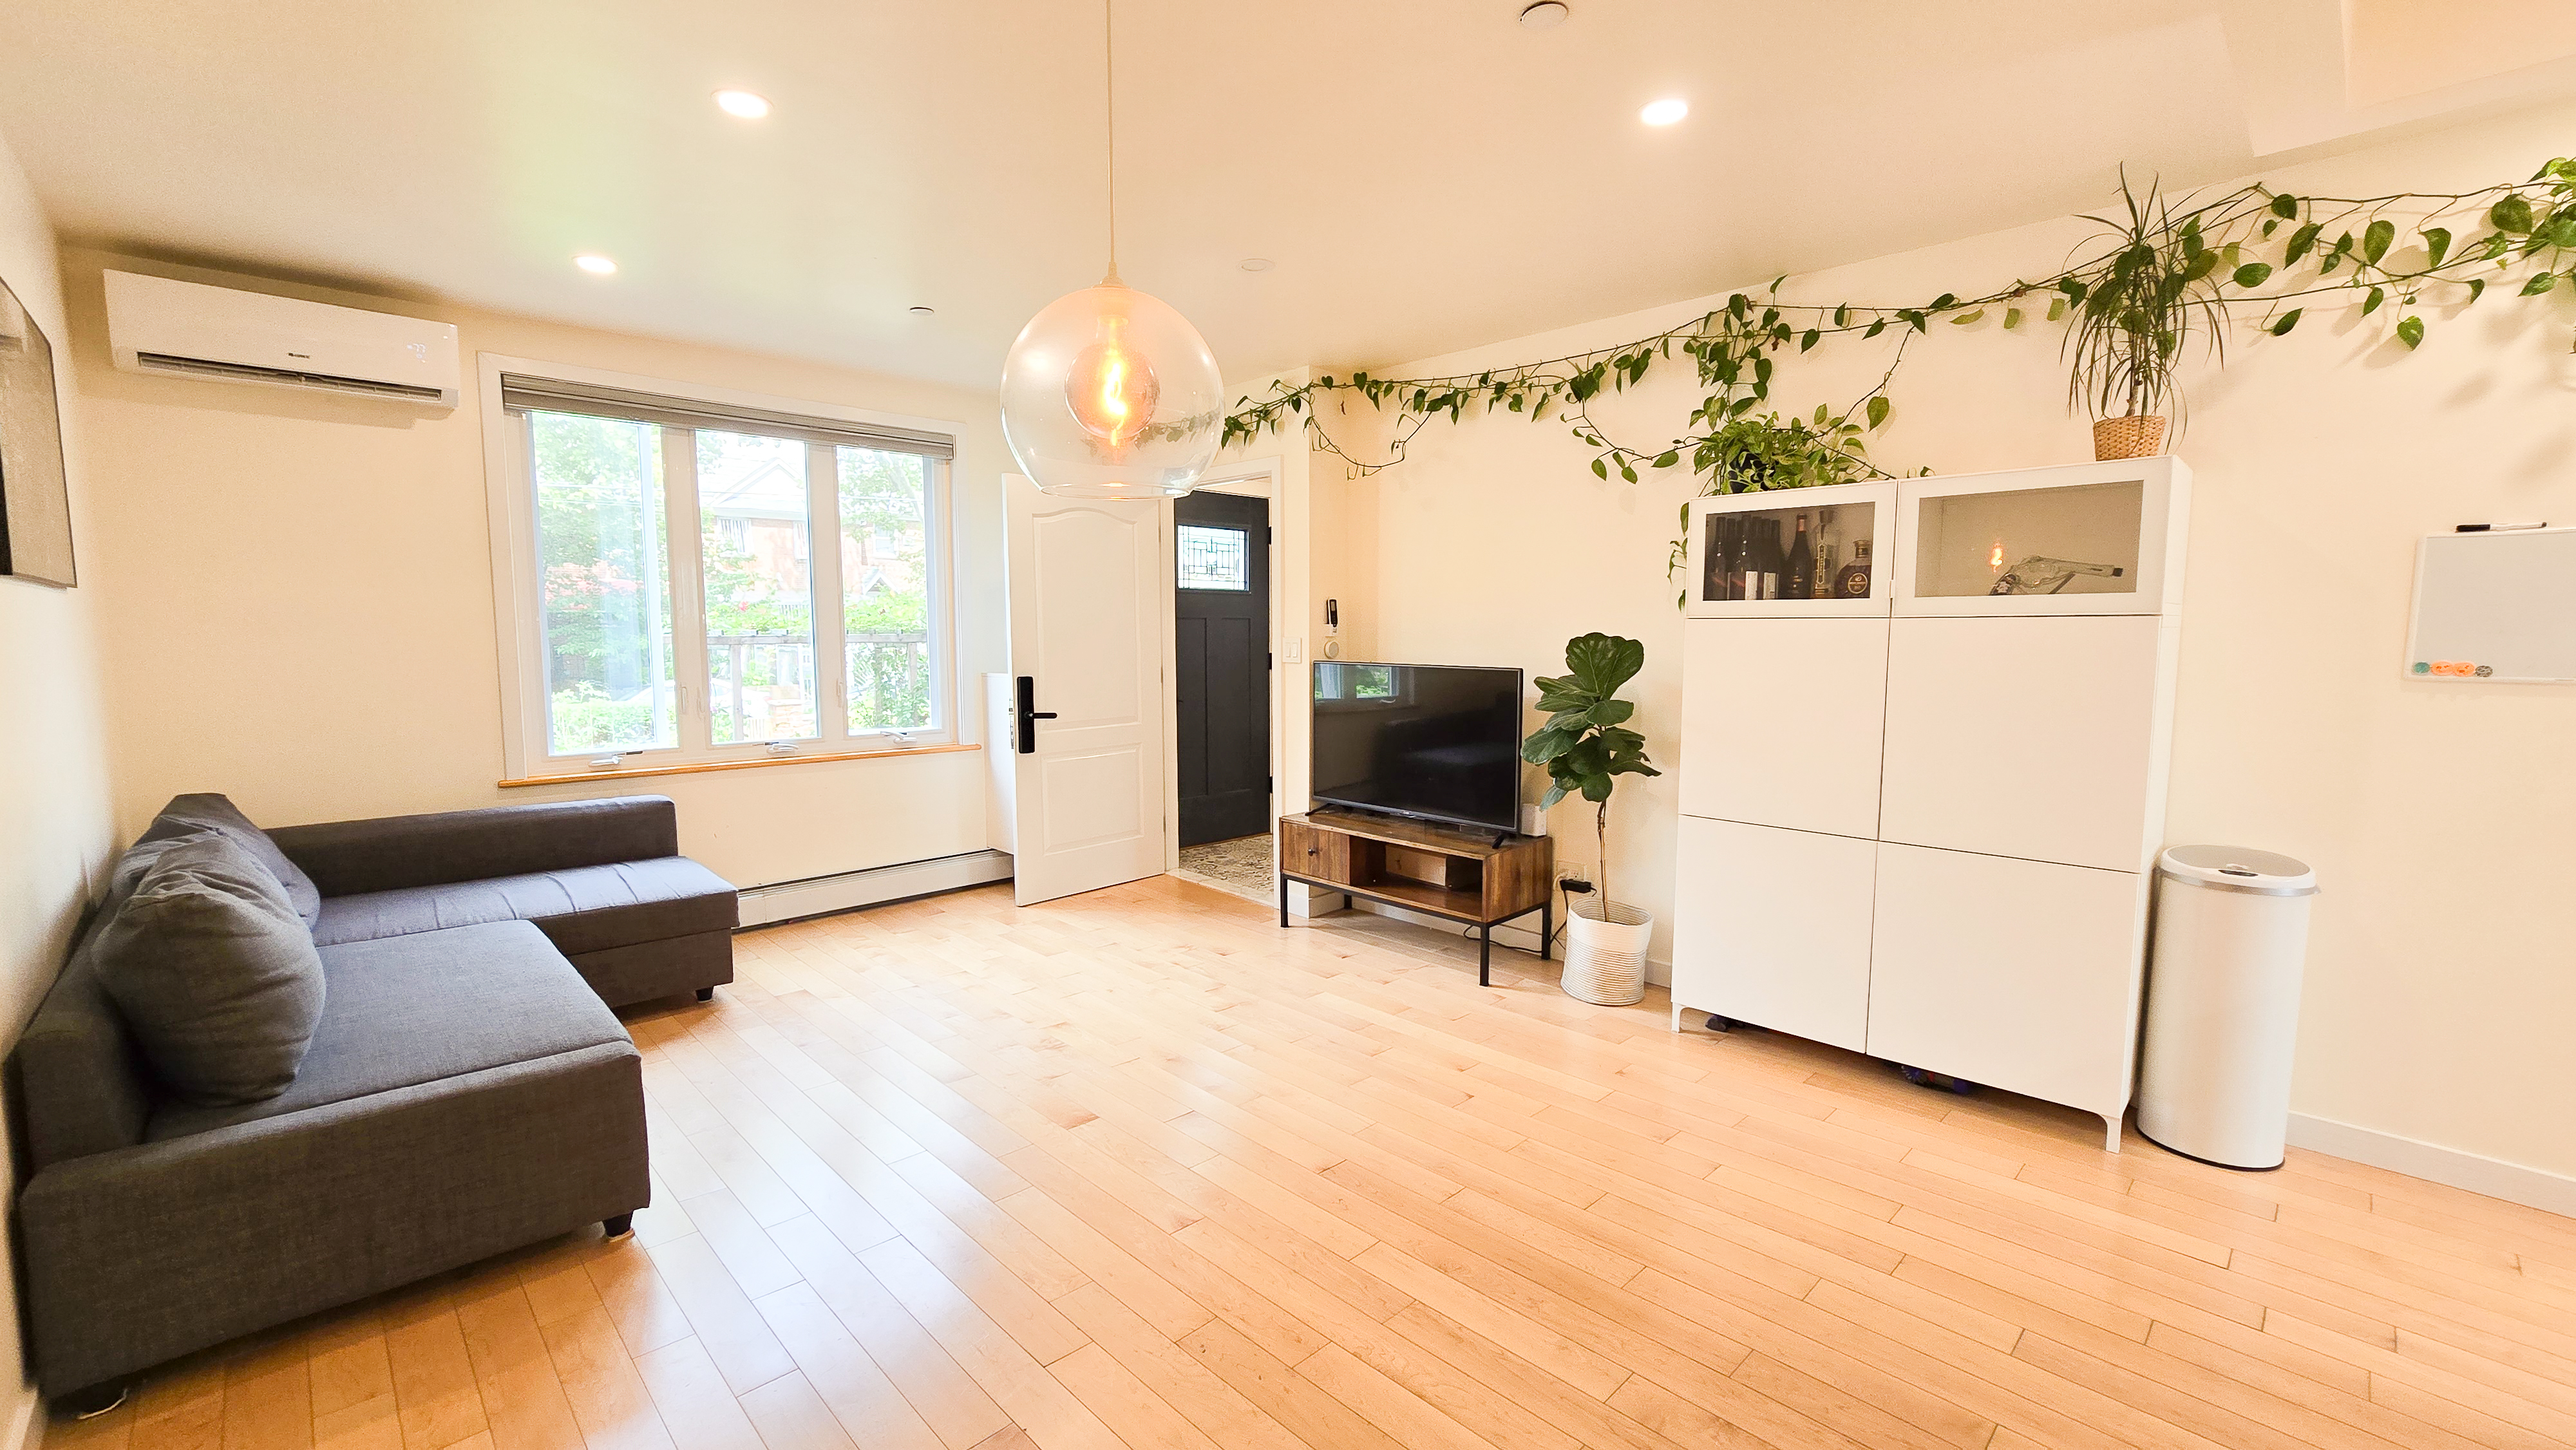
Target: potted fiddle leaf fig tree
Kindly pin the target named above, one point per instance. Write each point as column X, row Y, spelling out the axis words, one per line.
column 1586, row 746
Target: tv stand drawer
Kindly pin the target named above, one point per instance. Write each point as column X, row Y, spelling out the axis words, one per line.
column 1321, row 855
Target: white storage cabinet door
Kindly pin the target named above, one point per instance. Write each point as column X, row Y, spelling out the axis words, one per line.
column 2022, row 975
column 1782, row 721
column 2025, row 737
column 1772, row 927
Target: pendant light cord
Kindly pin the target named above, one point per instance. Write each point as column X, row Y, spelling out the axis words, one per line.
column 1109, row 108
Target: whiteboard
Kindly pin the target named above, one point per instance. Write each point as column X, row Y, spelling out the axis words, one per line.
column 2495, row 608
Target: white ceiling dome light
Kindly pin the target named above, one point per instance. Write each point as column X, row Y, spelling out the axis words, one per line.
column 747, row 105
column 594, row 264
column 1545, row 15
column 1664, row 112
column 1110, row 393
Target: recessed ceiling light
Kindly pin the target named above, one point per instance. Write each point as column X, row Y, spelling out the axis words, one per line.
column 922, row 310
column 593, row 262
column 1545, row 15
column 748, row 106
column 1664, row 112
column 1256, row 264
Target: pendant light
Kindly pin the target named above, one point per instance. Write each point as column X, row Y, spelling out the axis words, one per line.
column 1109, row 393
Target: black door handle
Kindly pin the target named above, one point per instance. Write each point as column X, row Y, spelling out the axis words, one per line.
column 1027, row 715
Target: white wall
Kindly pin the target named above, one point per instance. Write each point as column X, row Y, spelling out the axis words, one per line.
column 296, row 601
column 54, row 819
column 2442, row 822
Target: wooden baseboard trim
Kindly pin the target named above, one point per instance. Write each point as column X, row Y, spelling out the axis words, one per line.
column 2494, row 1177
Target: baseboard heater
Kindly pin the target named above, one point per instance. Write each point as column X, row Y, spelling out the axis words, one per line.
column 822, row 895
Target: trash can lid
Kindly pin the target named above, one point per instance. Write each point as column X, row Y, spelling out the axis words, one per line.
column 2238, row 868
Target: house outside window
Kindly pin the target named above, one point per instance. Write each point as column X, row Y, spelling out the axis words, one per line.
column 666, row 601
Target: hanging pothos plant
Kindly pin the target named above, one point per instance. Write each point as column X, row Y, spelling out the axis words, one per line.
column 2160, row 276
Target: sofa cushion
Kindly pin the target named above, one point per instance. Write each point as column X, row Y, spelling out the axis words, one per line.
column 417, row 1008
column 191, row 813
column 584, row 909
column 214, row 972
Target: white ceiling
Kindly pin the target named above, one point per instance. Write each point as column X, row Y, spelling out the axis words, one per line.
column 1425, row 174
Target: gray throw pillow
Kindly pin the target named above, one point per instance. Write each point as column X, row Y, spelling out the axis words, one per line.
column 188, row 814
column 213, row 972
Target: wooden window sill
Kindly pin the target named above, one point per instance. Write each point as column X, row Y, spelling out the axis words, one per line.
column 637, row 772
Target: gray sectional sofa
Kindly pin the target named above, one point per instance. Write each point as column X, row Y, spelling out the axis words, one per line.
column 466, row 1091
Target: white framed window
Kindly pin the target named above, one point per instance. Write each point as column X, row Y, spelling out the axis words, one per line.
column 688, row 575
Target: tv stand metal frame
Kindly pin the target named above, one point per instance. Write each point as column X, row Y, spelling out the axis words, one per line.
column 1515, row 873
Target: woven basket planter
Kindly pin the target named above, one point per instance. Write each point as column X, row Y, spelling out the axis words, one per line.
column 1605, row 960
column 2139, row 435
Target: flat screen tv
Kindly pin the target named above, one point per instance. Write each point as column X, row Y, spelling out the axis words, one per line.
column 1434, row 742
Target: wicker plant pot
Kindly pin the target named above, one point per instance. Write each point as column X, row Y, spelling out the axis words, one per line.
column 2140, row 435
column 1605, row 960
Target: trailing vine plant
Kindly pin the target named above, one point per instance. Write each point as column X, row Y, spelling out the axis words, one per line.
column 2160, row 268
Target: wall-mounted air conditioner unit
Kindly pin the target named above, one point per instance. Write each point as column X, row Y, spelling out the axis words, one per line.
column 155, row 325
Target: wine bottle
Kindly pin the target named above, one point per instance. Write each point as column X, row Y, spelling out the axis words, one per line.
column 1712, row 558
column 1824, row 570
column 1853, row 582
column 1772, row 557
column 1798, row 571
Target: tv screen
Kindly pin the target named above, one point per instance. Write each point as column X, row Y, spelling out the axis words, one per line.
column 1436, row 742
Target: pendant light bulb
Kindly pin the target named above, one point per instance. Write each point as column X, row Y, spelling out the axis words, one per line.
column 1109, row 392
column 1112, row 389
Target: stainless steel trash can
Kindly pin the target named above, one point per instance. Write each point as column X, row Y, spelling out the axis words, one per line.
column 2231, row 943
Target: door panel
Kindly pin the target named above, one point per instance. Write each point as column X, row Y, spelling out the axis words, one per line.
column 1084, row 619
column 1221, row 650
column 1809, row 696
column 1773, row 927
column 2019, row 974
column 2023, row 737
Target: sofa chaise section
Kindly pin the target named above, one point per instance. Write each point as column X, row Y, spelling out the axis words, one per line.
column 604, row 880
column 466, row 1093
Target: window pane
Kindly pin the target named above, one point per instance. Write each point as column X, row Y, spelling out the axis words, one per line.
column 885, row 588
column 1213, row 558
column 603, row 554
column 756, row 551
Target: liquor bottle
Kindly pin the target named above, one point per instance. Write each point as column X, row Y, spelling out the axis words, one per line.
column 1798, row 571
column 1824, row 570
column 1829, row 547
column 1712, row 558
column 1730, row 563
column 1853, row 582
column 1772, row 558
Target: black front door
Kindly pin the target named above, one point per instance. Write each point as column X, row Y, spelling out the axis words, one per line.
column 1222, row 588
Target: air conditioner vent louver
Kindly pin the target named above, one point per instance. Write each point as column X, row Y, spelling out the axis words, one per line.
column 187, row 329
column 160, row 362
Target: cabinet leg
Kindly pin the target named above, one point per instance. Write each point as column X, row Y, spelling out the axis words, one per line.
column 1484, row 956
column 1547, row 934
column 1283, row 903
column 2111, row 1132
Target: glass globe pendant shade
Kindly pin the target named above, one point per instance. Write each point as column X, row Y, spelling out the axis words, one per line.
column 1109, row 393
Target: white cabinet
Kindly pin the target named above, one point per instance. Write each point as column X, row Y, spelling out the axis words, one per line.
column 1787, row 914
column 2022, row 975
column 1918, row 814
column 2029, row 737
column 1807, row 759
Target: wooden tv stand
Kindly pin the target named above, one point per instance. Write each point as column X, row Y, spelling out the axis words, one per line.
column 1482, row 878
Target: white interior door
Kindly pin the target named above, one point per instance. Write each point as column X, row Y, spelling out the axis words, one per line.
column 1086, row 582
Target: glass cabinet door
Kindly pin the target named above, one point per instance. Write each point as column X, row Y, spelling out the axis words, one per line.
column 1807, row 552
column 2089, row 539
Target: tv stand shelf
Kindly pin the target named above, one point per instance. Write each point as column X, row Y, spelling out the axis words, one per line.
column 1482, row 878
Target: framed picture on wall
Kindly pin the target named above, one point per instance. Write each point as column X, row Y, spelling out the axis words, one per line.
column 35, row 501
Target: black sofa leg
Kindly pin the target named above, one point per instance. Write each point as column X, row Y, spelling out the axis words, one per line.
column 93, row 1402
column 618, row 1227
column 706, row 994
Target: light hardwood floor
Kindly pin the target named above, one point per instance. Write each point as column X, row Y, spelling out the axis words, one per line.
column 1139, row 1168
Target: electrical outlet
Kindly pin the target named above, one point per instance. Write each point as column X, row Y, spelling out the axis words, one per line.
column 1573, row 878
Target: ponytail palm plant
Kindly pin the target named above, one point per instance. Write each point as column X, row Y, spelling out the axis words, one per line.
column 1586, row 744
